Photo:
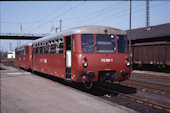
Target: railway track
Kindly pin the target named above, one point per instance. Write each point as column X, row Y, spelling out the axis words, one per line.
column 150, row 87
column 146, row 102
column 163, row 78
column 134, row 98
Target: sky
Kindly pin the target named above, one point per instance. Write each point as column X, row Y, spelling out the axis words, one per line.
column 39, row 17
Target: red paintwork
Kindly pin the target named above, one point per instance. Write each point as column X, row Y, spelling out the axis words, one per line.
column 55, row 64
column 94, row 62
column 24, row 61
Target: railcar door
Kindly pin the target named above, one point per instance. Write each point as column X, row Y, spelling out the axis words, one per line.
column 68, row 57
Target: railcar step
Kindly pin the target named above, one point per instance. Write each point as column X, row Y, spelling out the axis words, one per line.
column 68, row 80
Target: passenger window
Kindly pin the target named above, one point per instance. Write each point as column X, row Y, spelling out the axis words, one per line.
column 61, row 48
column 53, row 48
column 57, row 48
column 46, row 49
column 41, row 50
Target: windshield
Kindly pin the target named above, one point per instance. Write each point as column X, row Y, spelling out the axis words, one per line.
column 121, row 41
column 105, row 43
column 87, row 43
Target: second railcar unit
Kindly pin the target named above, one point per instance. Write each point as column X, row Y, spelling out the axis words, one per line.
column 23, row 56
column 84, row 54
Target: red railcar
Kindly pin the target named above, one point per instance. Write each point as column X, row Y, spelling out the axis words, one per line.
column 84, row 54
column 23, row 56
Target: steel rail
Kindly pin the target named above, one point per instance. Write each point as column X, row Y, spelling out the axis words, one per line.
column 165, row 78
column 162, row 88
column 139, row 100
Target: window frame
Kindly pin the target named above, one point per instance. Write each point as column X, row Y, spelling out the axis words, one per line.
column 93, row 37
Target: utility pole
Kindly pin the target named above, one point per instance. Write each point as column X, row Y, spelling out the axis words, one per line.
column 18, row 41
column 21, row 32
column 147, row 14
column 10, row 47
column 21, row 27
column 130, row 54
column 60, row 25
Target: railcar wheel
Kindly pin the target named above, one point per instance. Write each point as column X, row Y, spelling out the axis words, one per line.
column 87, row 83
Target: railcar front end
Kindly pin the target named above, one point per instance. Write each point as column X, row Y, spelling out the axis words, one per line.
column 102, row 58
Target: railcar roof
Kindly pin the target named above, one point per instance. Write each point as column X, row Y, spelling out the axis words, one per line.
column 83, row 30
column 29, row 44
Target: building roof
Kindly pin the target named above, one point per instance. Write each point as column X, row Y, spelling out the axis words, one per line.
column 162, row 30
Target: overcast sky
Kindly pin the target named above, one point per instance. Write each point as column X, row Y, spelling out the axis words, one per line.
column 43, row 17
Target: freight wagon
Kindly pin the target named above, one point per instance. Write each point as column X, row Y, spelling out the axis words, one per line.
column 153, row 54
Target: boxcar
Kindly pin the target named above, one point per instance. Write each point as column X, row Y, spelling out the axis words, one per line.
column 152, row 53
column 23, row 56
column 84, row 54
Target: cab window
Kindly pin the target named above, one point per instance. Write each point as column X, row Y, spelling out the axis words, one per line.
column 87, row 43
column 121, row 42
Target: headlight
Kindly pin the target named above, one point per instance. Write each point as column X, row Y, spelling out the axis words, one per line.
column 127, row 63
column 85, row 64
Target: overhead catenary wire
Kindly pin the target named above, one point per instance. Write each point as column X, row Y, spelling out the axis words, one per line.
column 100, row 16
column 92, row 13
column 122, row 15
column 97, row 13
column 111, row 17
column 63, row 13
column 49, row 14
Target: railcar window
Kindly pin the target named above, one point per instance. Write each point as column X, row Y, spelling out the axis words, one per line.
column 53, row 48
column 121, row 41
column 105, row 43
column 57, row 48
column 87, row 43
column 22, row 52
column 46, row 49
column 61, row 48
column 41, row 50
column 61, row 39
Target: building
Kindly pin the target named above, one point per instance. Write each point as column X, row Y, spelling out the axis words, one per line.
column 11, row 54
